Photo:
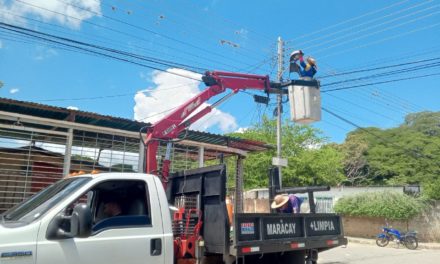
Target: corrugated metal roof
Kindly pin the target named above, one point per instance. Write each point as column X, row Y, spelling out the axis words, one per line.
column 89, row 118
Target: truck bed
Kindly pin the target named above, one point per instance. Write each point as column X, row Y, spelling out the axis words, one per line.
column 266, row 233
column 252, row 233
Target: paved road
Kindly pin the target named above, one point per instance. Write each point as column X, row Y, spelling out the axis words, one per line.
column 368, row 254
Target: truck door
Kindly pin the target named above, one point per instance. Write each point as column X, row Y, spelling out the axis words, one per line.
column 134, row 235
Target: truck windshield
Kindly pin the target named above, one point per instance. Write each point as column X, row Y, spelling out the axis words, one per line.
column 40, row 203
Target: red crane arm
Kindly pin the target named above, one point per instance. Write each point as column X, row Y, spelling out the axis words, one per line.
column 170, row 126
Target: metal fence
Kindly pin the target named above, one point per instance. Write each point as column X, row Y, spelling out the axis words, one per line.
column 29, row 161
column 33, row 158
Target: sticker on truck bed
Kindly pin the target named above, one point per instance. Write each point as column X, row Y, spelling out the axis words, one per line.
column 247, row 228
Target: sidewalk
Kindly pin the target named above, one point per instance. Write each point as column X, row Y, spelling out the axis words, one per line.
column 367, row 241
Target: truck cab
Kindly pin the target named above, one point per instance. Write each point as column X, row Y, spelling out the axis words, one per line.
column 126, row 218
column 68, row 222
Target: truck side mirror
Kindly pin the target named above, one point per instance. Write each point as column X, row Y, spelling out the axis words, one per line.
column 80, row 223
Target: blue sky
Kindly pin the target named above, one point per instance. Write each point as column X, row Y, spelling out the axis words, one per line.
column 222, row 35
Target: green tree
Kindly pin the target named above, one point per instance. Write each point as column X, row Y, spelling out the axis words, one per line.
column 408, row 154
column 310, row 160
column 355, row 162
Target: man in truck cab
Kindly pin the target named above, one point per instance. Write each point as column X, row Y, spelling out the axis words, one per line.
column 285, row 203
column 112, row 207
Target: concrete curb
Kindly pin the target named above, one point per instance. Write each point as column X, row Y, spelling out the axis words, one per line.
column 366, row 241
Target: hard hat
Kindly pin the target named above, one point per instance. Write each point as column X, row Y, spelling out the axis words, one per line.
column 295, row 55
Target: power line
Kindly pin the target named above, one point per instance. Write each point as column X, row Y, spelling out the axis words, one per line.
column 376, row 32
column 353, row 115
column 335, row 125
column 99, row 39
column 360, row 106
column 417, row 153
column 156, row 114
column 195, row 29
column 400, row 57
column 386, row 103
column 108, row 96
column 376, row 83
column 351, row 19
column 232, row 22
column 387, row 74
column 379, row 68
column 86, row 47
column 380, row 40
column 145, row 29
column 119, row 31
column 365, row 23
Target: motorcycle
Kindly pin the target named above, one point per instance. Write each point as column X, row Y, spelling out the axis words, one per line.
column 409, row 239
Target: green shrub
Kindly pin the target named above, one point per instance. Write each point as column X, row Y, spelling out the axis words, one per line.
column 388, row 205
column 432, row 190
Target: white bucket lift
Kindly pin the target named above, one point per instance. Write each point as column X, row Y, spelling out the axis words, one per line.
column 305, row 101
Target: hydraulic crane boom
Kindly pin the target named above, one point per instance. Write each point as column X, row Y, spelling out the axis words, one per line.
column 169, row 127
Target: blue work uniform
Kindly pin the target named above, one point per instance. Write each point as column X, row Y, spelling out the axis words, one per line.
column 293, row 205
column 307, row 70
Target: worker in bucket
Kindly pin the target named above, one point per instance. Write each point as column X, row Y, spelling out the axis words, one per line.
column 285, row 203
column 308, row 68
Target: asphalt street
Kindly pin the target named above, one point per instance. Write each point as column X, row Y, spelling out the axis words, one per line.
column 369, row 254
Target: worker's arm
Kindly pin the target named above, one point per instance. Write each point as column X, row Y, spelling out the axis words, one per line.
column 302, row 63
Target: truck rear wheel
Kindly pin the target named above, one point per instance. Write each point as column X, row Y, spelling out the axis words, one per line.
column 293, row 257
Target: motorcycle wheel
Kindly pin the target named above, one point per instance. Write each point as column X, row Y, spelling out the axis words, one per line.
column 382, row 241
column 411, row 242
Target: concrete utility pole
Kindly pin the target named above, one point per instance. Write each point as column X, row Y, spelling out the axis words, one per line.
column 279, row 102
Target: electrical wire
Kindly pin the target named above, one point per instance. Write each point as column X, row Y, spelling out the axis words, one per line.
column 156, row 114
column 352, row 114
column 87, row 47
column 414, row 152
column 202, row 36
column 376, row 83
column 263, row 35
column 395, row 58
column 423, row 67
column 121, row 32
column 108, row 96
column 364, row 29
column 379, row 68
column 350, row 20
column 146, row 30
column 101, row 39
column 394, row 36
column 386, row 104
column 376, row 32
column 360, row 106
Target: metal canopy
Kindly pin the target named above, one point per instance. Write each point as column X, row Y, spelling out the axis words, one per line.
column 105, row 121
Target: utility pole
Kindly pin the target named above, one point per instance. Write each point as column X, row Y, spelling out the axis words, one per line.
column 279, row 105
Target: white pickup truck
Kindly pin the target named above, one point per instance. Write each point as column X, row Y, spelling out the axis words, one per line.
column 67, row 223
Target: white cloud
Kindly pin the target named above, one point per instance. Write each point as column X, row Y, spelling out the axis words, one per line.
column 14, row 90
column 73, row 108
column 43, row 53
column 241, row 130
column 144, row 76
column 65, row 14
column 172, row 91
